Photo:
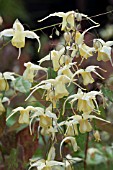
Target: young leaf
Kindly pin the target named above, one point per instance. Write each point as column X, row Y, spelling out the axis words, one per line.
column 22, row 85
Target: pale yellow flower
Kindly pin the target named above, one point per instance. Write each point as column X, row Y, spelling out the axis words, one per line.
column 2, row 108
column 31, row 70
column 1, row 20
column 42, row 164
column 68, row 19
column 71, row 126
column 45, row 121
column 57, row 57
column 73, row 142
column 66, row 70
column 97, row 136
column 18, row 34
column 48, row 164
column 85, row 101
column 24, row 113
column 3, row 80
column 103, row 49
column 56, row 88
column 86, row 74
column 83, row 121
column 70, row 161
column 85, row 126
column 71, row 129
column 84, row 50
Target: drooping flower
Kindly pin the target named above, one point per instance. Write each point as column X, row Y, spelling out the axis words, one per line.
column 97, row 136
column 70, row 161
column 3, row 80
column 30, row 71
column 68, row 19
column 66, row 70
column 42, row 164
column 104, row 49
column 84, row 50
column 71, row 125
column 47, row 121
column 2, row 108
column 85, row 125
column 56, row 88
column 24, row 113
column 85, row 101
column 18, row 34
column 73, row 142
column 86, row 74
column 48, row 164
column 57, row 57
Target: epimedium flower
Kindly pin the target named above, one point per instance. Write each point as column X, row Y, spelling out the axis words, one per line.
column 31, row 70
column 86, row 74
column 24, row 113
column 47, row 121
column 96, row 134
column 69, row 139
column 85, row 101
column 66, row 70
column 42, row 164
column 85, row 125
column 2, row 108
column 71, row 127
column 18, row 33
column 83, row 121
column 4, row 86
column 56, row 88
column 48, row 164
column 79, row 46
column 70, row 161
column 57, row 57
column 68, row 19
column 104, row 50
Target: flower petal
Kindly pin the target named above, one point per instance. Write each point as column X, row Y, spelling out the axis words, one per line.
column 17, row 26
column 7, row 32
column 31, row 34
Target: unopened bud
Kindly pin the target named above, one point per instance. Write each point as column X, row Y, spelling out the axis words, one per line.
column 78, row 17
column 97, row 44
column 97, row 136
column 67, row 37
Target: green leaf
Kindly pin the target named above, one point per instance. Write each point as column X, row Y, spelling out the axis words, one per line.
column 12, row 161
column 22, row 85
column 107, row 93
column 51, row 73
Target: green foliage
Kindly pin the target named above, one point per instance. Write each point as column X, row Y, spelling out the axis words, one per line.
column 22, row 85
column 107, row 93
column 7, row 10
column 51, row 73
column 12, row 161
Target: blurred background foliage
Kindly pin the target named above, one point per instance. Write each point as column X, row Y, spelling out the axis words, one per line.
column 15, row 142
column 11, row 9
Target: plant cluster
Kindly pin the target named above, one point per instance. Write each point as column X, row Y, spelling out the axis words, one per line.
column 71, row 108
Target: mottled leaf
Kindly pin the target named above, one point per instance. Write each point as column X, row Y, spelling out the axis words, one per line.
column 22, row 85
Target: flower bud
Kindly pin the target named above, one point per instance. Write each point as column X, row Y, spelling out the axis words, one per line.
column 97, row 44
column 67, row 37
column 97, row 136
column 4, row 86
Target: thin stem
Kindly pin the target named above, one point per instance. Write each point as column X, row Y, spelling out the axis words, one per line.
column 101, row 14
column 85, row 152
column 49, row 26
column 5, row 44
